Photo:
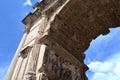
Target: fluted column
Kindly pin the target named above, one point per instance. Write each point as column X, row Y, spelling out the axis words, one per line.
column 17, row 54
column 40, row 60
column 17, row 68
column 32, row 64
column 15, row 59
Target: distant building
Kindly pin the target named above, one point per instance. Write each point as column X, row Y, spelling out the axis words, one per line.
column 56, row 35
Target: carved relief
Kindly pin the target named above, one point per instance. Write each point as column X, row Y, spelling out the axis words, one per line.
column 55, row 67
column 44, row 77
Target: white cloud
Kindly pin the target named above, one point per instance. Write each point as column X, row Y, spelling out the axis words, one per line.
column 26, row 13
column 100, row 67
column 28, row 2
column 117, row 70
column 107, row 70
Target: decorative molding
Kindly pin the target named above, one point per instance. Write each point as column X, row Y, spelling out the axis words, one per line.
column 31, row 76
column 55, row 66
column 45, row 6
column 24, row 52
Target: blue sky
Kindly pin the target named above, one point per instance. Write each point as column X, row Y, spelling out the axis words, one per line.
column 11, row 29
column 102, row 57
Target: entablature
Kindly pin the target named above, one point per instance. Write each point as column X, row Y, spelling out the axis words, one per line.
column 45, row 7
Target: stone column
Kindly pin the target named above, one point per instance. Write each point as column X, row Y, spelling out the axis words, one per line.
column 15, row 59
column 40, row 60
column 17, row 68
column 22, row 69
column 12, row 67
column 32, row 62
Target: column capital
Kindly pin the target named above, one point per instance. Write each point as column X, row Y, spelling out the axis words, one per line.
column 30, row 75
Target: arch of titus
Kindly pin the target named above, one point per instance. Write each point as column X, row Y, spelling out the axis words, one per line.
column 56, row 36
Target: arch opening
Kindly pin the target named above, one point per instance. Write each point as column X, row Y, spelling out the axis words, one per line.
column 103, row 56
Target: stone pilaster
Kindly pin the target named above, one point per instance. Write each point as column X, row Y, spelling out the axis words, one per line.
column 17, row 68
column 32, row 63
column 40, row 63
column 15, row 59
column 58, row 64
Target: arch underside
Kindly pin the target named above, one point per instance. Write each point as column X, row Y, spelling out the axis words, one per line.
column 81, row 21
column 54, row 49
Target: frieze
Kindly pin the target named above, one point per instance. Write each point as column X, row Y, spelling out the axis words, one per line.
column 55, row 66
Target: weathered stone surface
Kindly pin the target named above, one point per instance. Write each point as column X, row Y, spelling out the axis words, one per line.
column 81, row 21
column 59, row 32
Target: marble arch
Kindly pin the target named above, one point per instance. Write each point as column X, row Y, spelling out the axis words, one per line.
column 64, row 31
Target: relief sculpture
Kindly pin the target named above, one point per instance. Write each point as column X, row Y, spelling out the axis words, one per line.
column 55, row 67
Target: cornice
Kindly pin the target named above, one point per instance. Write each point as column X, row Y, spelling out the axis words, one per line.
column 45, row 6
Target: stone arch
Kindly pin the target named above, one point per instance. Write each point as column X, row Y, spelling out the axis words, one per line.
column 79, row 22
column 101, row 52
